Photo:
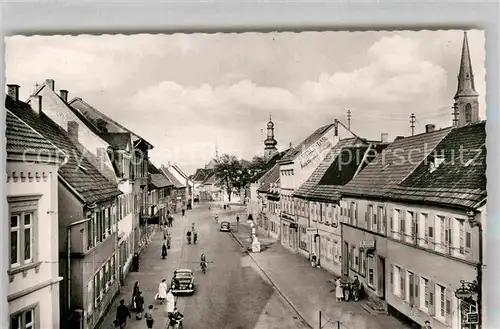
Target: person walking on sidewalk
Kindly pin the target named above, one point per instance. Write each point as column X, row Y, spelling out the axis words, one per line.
column 122, row 313
column 170, row 302
column 339, row 290
column 183, row 212
column 162, row 291
column 148, row 315
column 163, row 250
column 134, row 293
column 139, row 305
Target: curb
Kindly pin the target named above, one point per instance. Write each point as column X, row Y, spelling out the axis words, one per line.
column 274, row 284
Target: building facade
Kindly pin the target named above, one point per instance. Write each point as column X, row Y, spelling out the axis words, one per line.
column 32, row 196
column 420, row 216
column 295, row 168
column 86, row 223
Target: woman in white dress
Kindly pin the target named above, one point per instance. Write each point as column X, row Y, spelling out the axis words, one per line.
column 170, row 302
column 339, row 290
column 162, row 291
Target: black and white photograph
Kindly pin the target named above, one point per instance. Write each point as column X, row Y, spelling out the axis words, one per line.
column 253, row 180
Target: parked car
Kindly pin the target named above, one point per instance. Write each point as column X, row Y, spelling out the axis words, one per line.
column 225, row 227
column 183, row 282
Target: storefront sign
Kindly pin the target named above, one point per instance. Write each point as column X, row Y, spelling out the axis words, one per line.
column 472, row 318
column 367, row 244
column 314, row 151
column 311, row 230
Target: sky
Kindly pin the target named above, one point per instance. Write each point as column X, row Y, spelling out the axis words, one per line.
column 189, row 93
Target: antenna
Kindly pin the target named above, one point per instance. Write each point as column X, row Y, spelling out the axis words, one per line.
column 412, row 123
column 455, row 114
column 349, row 119
column 36, row 88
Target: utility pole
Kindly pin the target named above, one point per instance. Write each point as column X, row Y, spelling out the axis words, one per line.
column 412, row 123
column 349, row 119
column 455, row 114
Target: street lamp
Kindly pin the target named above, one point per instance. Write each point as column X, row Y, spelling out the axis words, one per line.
column 468, row 289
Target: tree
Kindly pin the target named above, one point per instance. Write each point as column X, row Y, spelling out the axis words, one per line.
column 227, row 171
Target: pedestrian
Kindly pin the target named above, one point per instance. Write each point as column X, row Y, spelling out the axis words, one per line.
column 148, row 315
column 356, row 288
column 427, row 325
column 122, row 313
column 162, row 291
column 134, row 293
column 135, row 262
column 170, row 302
column 183, row 211
column 163, row 251
column 238, row 220
column 139, row 305
column 339, row 290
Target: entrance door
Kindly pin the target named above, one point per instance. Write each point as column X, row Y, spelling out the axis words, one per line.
column 345, row 258
column 381, row 276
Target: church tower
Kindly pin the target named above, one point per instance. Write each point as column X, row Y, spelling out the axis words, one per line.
column 466, row 106
column 270, row 143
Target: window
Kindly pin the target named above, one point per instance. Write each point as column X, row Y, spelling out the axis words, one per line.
column 335, row 251
column 424, row 292
column 395, row 224
column 362, row 264
column 468, row 113
column 461, row 234
column 423, row 232
column 23, row 320
column 440, row 301
column 371, row 269
column 439, row 238
column 396, row 280
column 23, row 212
column 369, row 219
column 402, row 226
column 354, row 259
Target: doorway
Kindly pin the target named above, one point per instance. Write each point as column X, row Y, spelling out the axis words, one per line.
column 345, row 259
column 381, row 277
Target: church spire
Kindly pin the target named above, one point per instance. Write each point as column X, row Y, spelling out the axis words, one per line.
column 466, row 106
column 466, row 85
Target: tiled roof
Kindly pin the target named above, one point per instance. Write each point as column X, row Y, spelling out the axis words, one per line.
column 22, row 139
column 175, row 182
column 160, row 181
column 78, row 105
column 211, row 180
column 311, row 188
column 201, row 174
column 393, row 165
column 307, row 142
column 270, row 164
column 85, row 179
column 460, row 180
column 271, row 176
column 118, row 141
column 152, row 169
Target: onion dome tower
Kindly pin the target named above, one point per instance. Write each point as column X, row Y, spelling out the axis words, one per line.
column 270, row 143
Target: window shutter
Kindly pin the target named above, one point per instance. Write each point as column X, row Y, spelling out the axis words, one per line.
column 416, row 289
column 384, row 222
column 448, row 306
column 392, row 279
column 403, row 285
column 432, row 290
column 430, row 229
column 391, row 221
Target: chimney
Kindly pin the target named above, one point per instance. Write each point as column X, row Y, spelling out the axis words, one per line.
column 384, row 137
column 50, row 83
column 399, row 137
column 64, row 95
column 73, row 130
column 13, row 92
column 430, row 128
column 36, row 103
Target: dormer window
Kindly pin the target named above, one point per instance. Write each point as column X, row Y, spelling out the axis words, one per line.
column 435, row 162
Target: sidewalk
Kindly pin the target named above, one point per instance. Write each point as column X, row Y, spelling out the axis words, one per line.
column 308, row 289
column 152, row 269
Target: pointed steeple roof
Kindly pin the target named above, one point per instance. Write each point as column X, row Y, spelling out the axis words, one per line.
column 465, row 76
